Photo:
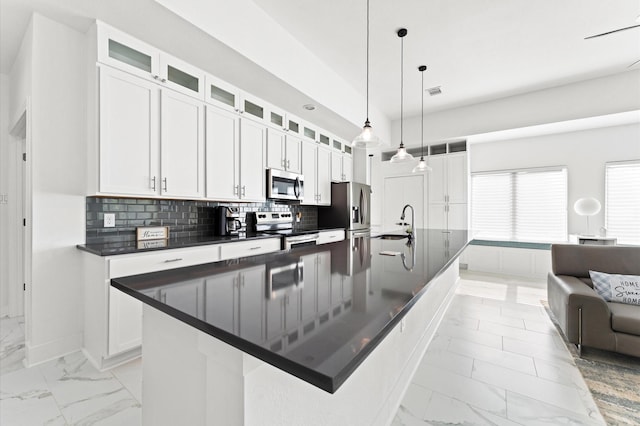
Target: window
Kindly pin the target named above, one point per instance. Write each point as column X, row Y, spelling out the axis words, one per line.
column 524, row 205
column 622, row 201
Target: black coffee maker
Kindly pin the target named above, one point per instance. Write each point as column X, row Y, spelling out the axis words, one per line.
column 226, row 221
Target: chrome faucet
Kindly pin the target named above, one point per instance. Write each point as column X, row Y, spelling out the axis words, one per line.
column 412, row 234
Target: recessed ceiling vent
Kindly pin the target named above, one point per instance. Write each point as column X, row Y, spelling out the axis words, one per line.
column 434, row 90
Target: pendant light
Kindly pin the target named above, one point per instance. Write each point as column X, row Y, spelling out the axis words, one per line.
column 422, row 165
column 401, row 156
column 367, row 139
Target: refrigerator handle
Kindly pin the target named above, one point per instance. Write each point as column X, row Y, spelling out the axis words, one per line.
column 362, row 206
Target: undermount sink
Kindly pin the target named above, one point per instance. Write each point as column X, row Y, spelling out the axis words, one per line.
column 392, row 236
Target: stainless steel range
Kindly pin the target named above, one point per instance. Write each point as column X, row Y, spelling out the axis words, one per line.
column 281, row 223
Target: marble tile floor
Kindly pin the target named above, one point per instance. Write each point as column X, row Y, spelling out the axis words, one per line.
column 495, row 360
column 64, row 391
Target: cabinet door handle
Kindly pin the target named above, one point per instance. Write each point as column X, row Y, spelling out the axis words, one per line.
column 177, row 259
column 244, row 190
column 153, row 183
column 255, row 248
column 288, row 164
column 282, row 163
column 155, row 77
column 235, row 189
column 164, row 182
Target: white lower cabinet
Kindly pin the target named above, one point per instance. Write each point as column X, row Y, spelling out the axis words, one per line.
column 113, row 325
column 125, row 327
column 325, row 237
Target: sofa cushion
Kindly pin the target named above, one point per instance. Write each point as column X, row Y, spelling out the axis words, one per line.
column 616, row 287
column 625, row 318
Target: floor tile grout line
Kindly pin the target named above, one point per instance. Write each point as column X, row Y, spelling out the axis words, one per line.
column 44, row 379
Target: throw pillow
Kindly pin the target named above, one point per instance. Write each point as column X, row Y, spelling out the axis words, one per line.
column 616, row 287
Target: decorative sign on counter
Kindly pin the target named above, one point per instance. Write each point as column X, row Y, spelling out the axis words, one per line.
column 147, row 233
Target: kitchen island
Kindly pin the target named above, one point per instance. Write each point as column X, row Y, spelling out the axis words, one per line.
column 317, row 335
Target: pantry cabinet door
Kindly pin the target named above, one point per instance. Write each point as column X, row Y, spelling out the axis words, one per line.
column 222, row 154
column 129, row 140
column 182, row 145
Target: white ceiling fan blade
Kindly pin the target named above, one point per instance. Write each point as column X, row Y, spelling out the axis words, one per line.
column 612, row 31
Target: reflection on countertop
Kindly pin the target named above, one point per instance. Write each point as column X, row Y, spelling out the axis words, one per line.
column 315, row 312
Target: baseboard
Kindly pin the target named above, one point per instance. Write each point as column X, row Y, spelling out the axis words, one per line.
column 38, row 354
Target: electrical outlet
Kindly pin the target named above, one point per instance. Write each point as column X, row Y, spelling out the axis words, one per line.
column 109, row 220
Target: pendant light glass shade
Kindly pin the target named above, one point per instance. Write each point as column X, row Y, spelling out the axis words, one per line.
column 422, row 165
column 401, row 156
column 367, row 139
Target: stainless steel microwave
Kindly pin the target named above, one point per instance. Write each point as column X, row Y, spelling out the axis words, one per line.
column 283, row 185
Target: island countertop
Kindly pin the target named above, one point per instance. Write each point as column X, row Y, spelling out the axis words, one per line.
column 314, row 312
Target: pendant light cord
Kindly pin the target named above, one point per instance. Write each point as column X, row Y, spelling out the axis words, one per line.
column 401, row 88
column 367, row 60
column 422, row 117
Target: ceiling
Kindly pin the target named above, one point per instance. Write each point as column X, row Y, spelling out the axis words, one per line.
column 477, row 50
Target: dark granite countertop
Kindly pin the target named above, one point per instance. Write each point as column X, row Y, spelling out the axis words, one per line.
column 315, row 312
column 128, row 247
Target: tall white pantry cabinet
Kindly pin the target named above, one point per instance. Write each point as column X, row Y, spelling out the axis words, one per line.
column 448, row 204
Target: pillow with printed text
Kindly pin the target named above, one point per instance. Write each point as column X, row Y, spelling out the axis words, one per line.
column 617, row 288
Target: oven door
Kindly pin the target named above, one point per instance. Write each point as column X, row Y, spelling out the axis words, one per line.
column 300, row 241
column 283, row 185
column 283, row 278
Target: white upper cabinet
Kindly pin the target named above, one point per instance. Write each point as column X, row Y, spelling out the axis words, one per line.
column 283, row 151
column 316, row 168
column 324, row 177
column 122, row 51
column 129, row 127
column 166, row 128
column 181, row 76
column 341, row 162
column 309, row 170
column 252, row 107
column 222, row 94
column 276, row 150
column 222, row 154
column 182, row 146
column 252, row 170
column 235, row 157
column 136, row 133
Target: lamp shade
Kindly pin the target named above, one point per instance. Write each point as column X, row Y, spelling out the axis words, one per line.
column 587, row 206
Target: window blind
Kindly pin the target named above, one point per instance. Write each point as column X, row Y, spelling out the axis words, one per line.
column 525, row 205
column 622, row 201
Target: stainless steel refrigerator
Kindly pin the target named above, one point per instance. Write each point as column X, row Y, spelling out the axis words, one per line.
column 350, row 208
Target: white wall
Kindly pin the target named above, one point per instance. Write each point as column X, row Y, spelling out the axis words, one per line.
column 50, row 71
column 584, row 153
column 5, row 165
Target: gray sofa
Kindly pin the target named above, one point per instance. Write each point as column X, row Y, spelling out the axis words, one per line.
column 584, row 317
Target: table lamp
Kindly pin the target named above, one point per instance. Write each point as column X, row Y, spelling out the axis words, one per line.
column 588, row 206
